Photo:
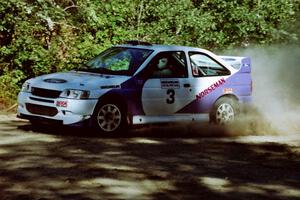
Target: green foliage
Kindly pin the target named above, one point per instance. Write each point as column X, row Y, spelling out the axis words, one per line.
column 43, row 36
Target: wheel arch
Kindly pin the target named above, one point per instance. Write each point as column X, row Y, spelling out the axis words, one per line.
column 113, row 97
column 230, row 96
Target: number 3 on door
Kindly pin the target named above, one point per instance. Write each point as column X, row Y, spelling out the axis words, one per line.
column 171, row 96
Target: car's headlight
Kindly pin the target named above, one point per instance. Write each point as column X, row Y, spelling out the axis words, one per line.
column 25, row 87
column 75, row 94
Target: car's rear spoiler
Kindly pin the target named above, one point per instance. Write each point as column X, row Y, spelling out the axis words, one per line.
column 242, row 63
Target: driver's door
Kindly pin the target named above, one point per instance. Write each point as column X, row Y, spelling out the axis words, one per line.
column 166, row 92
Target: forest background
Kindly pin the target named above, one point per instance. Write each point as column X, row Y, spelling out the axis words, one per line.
column 44, row 36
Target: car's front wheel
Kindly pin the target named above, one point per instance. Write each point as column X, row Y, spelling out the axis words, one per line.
column 224, row 111
column 110, row 118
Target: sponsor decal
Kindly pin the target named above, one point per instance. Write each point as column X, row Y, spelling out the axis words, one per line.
column 61, row 104
column 228, row 91
column 210, row 89
column 169, row 84
column 246, row 65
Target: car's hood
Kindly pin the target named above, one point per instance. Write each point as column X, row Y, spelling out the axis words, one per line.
column 77, row 80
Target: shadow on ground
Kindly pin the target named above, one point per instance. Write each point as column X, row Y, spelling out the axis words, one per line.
column 153, row 163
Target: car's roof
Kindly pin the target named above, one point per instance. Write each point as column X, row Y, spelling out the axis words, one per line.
column 161, row 48
column 157, row 47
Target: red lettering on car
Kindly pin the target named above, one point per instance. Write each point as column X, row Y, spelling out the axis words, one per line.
column 210, row 89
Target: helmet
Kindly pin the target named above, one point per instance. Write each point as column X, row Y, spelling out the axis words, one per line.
column 162, row 63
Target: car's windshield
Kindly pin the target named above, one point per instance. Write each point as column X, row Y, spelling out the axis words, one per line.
column 117, row 61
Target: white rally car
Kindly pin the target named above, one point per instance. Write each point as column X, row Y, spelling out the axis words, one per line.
column 140, row 83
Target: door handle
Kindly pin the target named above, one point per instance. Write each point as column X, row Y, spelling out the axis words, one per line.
column 186, row 85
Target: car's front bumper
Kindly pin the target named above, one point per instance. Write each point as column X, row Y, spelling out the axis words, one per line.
column 74, row 111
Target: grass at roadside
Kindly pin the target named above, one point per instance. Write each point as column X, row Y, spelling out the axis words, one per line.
column 7, row 106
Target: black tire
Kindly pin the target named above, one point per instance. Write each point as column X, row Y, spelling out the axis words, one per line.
column 110, row 118
column 225, row 110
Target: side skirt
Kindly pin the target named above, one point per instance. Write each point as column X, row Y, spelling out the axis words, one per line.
column 144, row 119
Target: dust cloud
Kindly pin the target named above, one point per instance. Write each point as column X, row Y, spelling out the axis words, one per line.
column 276, row 91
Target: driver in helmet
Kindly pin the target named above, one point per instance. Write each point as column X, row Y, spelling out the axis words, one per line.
column 163, row 69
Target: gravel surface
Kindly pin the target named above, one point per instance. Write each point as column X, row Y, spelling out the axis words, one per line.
column 173, row 162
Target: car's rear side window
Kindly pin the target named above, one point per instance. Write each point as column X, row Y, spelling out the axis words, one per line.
column 203, row 65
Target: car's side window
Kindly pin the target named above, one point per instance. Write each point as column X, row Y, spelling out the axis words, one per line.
column 169, row 65
column 203, row 65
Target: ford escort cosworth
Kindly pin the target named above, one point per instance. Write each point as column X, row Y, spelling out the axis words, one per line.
column 140, row 83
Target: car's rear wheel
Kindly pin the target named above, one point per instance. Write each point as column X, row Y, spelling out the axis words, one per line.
column 224, row 111
column 110, row 118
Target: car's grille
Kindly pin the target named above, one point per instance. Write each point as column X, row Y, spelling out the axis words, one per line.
column 41, row 110
column 42, row 100
column 45, row 92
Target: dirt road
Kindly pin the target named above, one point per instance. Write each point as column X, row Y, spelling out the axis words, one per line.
column 155, row 163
